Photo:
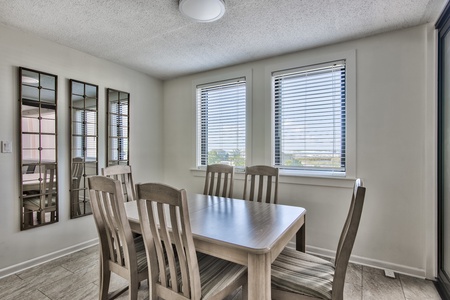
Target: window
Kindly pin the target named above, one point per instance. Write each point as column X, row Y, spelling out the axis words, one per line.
column 221, row 117
column 118, row 127
column 310, row 127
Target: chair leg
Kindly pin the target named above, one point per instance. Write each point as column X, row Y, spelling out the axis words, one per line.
column 105, row 277
column 133, row 290
column 245, row 291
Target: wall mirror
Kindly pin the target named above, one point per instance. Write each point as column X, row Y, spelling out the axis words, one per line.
column 118, row 127
column 84, row 144
column 38, row 140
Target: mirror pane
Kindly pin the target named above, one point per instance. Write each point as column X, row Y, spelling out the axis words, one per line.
column 77, row 88
column 30, row 92
column 48, row 96
column 30, row 78
column 118, row 131
column 48, row 82
column 91, row 91
column 77, row 101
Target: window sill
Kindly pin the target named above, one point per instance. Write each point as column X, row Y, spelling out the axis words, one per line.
column 296, row 178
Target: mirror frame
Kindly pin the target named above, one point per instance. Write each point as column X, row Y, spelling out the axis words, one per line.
column 38, row 191
column 79, row 161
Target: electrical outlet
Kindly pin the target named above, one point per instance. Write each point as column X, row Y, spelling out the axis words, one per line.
column 389, row 273
column 6, row 146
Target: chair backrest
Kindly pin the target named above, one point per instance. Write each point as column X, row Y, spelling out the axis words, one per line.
column 114, row 231
column 77, row 171
column 48, row 186
column 263, row 184
column 124, row 175
column 347, row 238
column 166, row 230
column 219, row 180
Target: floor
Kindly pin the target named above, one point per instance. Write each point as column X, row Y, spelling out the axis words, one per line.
column 75, row 276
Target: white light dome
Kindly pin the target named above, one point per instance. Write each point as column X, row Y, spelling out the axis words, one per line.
column 202, row 10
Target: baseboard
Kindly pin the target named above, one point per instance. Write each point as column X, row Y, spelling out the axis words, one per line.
column 378, row 264
column 46, row 258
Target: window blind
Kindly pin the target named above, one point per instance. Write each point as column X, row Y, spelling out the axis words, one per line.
column 221, row 109
column 310, row 117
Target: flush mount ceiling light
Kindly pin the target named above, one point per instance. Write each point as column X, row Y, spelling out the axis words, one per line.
column 202, row 10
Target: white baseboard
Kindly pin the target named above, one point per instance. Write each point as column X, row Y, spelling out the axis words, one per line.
column 46, row 258
column 374, row 263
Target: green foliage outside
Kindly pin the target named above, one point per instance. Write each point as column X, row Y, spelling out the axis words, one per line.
column 233, row 158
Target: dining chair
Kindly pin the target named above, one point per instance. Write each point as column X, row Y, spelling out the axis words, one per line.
column 77, row 172
column 45, row 201
column 124, row 175
column 120, row 252
column 219, row 180
column 263, row 184
column 297, row 275
column 176, row 271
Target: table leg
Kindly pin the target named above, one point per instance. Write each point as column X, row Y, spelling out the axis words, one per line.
column 259, row 275
column 300, row 243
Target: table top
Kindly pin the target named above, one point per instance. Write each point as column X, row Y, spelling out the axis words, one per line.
column 252, row 226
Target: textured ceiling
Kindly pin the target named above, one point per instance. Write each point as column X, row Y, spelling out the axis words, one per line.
column 153, row 37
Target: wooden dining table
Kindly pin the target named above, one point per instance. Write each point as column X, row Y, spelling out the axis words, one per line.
column 244, row 232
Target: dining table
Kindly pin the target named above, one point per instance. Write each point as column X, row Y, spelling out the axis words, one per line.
column 244, row 232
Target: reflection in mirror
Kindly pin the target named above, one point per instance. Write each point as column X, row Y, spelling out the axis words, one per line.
column 39, row 191
column 84, row 144
column 118, row 127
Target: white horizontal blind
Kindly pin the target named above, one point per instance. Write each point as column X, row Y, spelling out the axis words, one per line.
column 310, row 117
column 221, row 109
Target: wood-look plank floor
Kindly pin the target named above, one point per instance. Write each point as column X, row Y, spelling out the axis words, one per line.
column 76, row 276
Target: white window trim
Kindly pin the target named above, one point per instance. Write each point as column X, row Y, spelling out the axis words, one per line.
column 350, row 58
column 247, row 73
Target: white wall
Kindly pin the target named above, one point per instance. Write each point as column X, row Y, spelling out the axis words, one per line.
column 22, row 249
column 394, row 123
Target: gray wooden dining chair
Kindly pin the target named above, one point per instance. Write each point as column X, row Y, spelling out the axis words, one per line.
column 125, row 176
column 297, row 275
column 45, row 201
column 261, row 184
column 175, row 269
column 120, row 252
column 219, row 180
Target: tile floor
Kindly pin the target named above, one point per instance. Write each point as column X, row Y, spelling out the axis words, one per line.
column 75, row 276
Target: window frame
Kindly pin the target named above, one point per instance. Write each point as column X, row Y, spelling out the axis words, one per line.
column 247, row 74
column 350, row 142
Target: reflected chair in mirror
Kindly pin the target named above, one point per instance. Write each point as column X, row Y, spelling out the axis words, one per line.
column 45, row 201
column 261, row 184
column 176, row 271
column 77, row 172
column 297, row 275
column 120, row 252
column 124, row 175
column 219, row 180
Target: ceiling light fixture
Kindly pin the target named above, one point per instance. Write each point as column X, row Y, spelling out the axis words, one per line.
column 202, row 10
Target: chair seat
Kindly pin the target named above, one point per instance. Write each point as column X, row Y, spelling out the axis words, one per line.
column 216, row 274
column 302, row 273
